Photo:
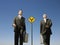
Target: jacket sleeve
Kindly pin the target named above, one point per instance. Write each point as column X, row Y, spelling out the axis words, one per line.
column 41, row 27
column 14, row 22
column 50, row 23
column 50, row 26
column 24, row 25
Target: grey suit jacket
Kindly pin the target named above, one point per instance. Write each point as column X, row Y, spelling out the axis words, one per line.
column 20, row 24
column 43, row 29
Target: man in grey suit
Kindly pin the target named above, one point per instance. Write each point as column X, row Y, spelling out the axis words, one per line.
column 45, row 29
column 19, row 27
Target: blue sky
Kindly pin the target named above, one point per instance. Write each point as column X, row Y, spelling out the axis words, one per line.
column 9, row 9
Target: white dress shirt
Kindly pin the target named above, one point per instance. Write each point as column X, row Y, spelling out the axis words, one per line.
column 19, row 16
column 45, row 20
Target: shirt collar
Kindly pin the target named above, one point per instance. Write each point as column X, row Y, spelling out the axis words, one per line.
column 19, row 16
column 44, row 18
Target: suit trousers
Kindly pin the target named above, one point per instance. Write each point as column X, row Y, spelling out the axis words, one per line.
column 46, row 39
column 16, row 38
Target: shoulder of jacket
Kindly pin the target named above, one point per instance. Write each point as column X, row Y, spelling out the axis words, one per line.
column 49, row 19
column 41, row 21
column 15, row 17
column 23, row 17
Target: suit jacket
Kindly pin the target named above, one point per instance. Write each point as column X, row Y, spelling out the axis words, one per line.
column 20, row 24
column 43, row 29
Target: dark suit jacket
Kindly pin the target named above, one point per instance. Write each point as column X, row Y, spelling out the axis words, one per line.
column 20, row 24
column 43, row 29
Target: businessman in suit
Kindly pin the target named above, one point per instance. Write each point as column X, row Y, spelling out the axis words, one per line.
column 19, row 27
column 45, row 29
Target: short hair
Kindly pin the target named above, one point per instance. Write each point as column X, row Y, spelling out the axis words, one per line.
column 44, row 14
column 20, row 10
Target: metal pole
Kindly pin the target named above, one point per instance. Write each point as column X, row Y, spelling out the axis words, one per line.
column 31, row 33
column 31, row 20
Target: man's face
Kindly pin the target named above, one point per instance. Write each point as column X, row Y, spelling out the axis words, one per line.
column 20, row 12
column 44, row 16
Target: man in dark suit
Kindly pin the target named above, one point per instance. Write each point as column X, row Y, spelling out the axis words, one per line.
column 45, row 29
column 19, row 27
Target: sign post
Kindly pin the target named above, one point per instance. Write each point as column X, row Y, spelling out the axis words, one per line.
column 31, row 20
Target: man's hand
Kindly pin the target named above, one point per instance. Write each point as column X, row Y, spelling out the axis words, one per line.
column 47, row 26
column 14, row 25
column 21, row 31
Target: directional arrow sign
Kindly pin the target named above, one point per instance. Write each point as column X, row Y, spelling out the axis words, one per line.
column 31, row 19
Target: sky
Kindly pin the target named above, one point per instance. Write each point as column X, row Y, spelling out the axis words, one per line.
column 36, row 8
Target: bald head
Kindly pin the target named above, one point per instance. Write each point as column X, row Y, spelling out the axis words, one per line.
column 44, row 16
